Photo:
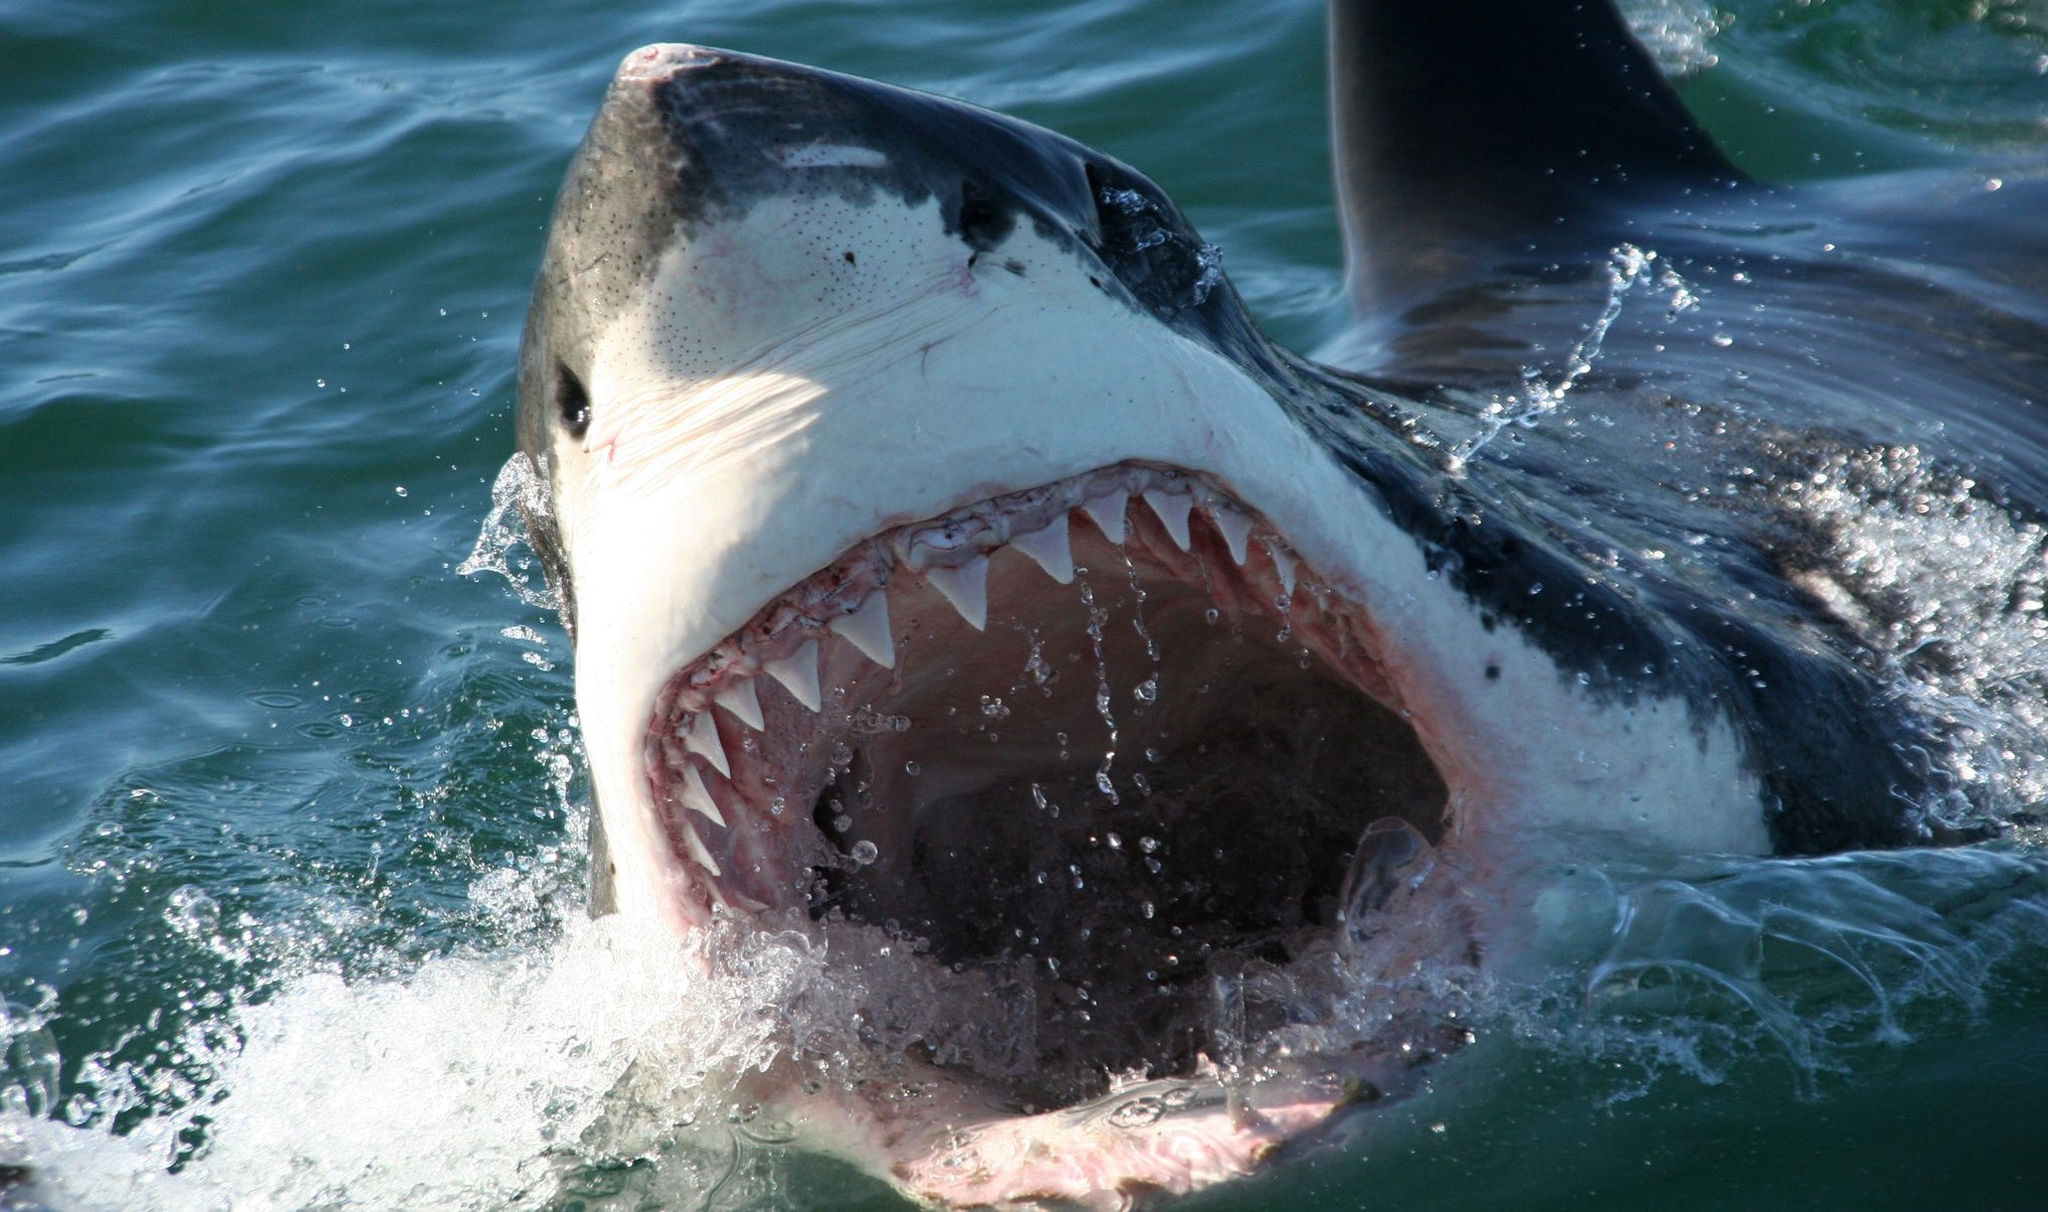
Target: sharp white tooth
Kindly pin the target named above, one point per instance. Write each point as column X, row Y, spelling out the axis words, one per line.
column 1050, row 550
column 697, row 797
column 1172, row 508
column 868, row 630
column 1283, row 566
column 1107, row 512
column 966, row 587
column 695, row 846
column 740, row 698
column 739, row 901
column 702, row 740
column 798, row 673
column 1236, row 529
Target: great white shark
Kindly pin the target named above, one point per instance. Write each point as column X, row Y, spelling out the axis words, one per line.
column 947, row 554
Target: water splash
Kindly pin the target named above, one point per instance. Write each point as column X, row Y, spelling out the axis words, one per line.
column 1677, row 33
column 519, row 492
column 1948, row 587
column 1627, row 269
column 1392, row 857
column 1701, row 966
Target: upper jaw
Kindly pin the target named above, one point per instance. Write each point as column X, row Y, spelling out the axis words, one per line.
column 912, row 640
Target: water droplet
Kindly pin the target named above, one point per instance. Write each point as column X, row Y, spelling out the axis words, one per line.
column 912, row 769
column 864, row 852
column 192, row 912
column 1137, row 1113
column 1147, row 690
column 842, row 822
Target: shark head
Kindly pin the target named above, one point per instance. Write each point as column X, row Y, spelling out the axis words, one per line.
column 947, row 554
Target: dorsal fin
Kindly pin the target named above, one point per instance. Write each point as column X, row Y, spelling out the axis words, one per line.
column 1464, row 124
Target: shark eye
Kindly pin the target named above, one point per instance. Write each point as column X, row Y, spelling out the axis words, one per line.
column 572, row 403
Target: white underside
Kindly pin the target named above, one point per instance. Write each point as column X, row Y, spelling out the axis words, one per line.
column 772, row 402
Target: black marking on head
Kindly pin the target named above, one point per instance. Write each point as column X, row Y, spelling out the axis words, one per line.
column 572, row 402
column 850, row 260
column 982, row 219
column 1492, row 672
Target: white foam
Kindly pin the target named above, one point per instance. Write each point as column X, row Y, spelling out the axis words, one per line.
column 460, row 1085
column 488, row 1080
column 1677, row 33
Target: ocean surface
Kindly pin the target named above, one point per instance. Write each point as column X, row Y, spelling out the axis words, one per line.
column 291, row 811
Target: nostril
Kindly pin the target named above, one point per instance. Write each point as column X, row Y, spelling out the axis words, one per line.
column 572, row 403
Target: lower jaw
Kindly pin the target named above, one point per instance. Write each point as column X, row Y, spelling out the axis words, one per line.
column 897, row 1062
column 1182, row 762
column 947, row 1141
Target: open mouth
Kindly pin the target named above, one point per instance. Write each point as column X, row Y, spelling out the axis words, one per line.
column 1099, row 740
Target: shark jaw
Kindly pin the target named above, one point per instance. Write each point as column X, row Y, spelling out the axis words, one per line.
column 1091, row 752
column 948, row 558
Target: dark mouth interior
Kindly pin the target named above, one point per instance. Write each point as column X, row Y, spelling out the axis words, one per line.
column 1119, row 789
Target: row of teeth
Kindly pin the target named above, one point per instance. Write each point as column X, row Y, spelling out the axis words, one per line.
column 966, row 539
